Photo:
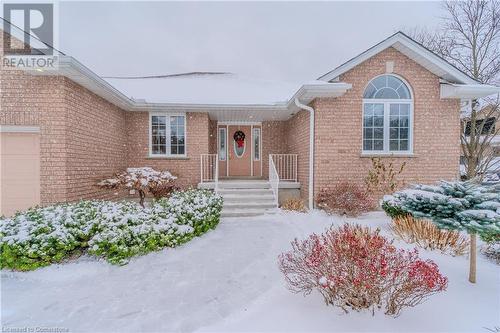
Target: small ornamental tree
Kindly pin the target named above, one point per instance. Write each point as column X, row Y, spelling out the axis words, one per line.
column 141, row 180
column 456, row 206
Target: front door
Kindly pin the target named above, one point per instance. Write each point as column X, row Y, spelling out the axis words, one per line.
column 239, row 150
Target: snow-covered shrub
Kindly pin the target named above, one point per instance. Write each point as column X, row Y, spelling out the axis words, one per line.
column 455, row 205
column 142, row 180
column 199, row 209
column 356, row 268
column 492, row 247
column 427, row 235
column 391, row 207
column 41, row 236
column 492, row 250
column 345, row 198
column 113, row 230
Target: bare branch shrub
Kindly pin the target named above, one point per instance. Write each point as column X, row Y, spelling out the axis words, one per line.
column 356, row 268
column 384, row 178
column 345, row 198
column 293, row 204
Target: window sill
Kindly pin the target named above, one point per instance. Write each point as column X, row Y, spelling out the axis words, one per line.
column 395, row 155
column 165, row 157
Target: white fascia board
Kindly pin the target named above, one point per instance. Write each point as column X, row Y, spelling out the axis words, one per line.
column 410, row 44
column 467, row 91
column 309, row 91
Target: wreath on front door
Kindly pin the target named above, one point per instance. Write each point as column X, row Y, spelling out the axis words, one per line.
column 239, row 137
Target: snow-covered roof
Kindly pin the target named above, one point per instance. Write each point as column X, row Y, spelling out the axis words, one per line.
column 225, row 97
column 205, row 89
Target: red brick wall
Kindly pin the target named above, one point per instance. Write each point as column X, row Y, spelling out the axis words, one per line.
column 274, row 141
column 197, row 142
column 339, row 127
column 298, row 143
column 96, row 142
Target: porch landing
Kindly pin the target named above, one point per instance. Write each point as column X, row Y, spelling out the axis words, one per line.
column 247, row 182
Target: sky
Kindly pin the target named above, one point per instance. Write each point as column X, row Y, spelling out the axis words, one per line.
column 284, row 41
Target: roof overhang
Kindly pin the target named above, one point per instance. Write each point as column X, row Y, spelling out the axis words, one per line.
column 77, row 72
column 412, row 49
column 467, row 91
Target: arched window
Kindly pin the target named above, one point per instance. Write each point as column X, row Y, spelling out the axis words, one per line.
column 387, row 107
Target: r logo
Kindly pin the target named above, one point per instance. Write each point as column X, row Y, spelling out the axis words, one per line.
column 37, row 20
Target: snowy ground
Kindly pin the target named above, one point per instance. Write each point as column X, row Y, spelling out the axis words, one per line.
column 228, row 280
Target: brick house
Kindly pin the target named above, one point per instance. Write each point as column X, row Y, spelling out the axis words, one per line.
column 64, row 130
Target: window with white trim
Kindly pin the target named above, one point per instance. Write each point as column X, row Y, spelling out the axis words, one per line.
column 222, row 143
column 168, row 135
column 256, row 144
column 387, row 107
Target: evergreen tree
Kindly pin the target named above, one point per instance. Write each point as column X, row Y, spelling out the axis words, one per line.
column 454, row 205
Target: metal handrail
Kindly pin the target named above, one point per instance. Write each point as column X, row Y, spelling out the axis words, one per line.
column 274, row 179
column 286, row 166
column 209, row 169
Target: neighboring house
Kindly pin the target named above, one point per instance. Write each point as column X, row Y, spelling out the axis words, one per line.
column 397, row 100
column 488, row 118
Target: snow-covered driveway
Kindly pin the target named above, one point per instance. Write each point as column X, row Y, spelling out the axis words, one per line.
column 228, row 280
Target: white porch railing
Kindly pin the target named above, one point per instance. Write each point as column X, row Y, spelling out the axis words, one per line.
column 286, row 166
column 210, row 169
column 274, row 178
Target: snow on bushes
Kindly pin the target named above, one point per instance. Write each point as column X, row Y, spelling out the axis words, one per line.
column 142, row 180
column 113, row 230
column 356, row 268
column 345, row 198
column 457, row 206
column 453, row 205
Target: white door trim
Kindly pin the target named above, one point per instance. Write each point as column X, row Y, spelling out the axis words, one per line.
column 242, row 123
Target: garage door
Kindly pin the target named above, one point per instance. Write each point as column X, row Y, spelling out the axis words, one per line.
column 19, row 168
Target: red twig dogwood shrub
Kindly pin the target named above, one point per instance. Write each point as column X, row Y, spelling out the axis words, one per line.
column 354, row 267
column 345, row 199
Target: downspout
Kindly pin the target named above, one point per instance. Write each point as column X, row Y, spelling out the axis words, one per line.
column 311, row 150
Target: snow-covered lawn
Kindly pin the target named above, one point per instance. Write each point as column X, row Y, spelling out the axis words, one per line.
column 228, row 280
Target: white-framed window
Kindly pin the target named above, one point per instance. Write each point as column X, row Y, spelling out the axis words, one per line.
column 256, row 144
column 167, row 134
column 387, row 116
column 222, row 143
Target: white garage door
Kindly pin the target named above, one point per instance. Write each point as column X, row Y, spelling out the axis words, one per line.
column 19, row 168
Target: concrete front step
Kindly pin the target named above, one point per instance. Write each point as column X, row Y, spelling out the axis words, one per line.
column 247, row 197
column 247, row 191
column 249, row 205
column 246, row 212
column 243, row 185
